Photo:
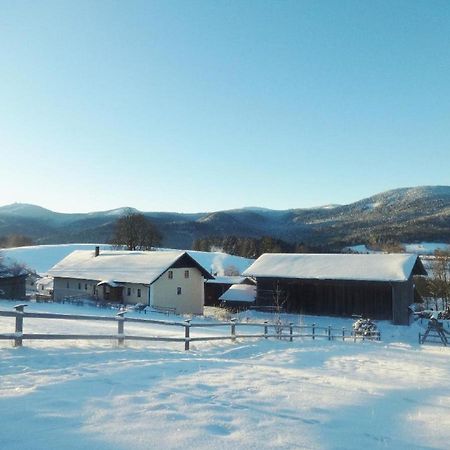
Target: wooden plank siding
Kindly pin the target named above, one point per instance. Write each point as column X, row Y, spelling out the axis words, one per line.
column 377, row 300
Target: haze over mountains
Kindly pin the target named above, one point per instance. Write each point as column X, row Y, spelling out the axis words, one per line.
column 404, row 215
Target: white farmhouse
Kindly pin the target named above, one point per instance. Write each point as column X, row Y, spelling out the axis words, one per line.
column 161, row 279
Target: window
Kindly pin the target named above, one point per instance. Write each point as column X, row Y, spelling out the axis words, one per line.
column 85, row 286
column 139, row 292
column 186, row 274
column 79, row 285
column 170, row 274
column 42, row 287
column 128, row 291
column 178, row 291
column 67, row 285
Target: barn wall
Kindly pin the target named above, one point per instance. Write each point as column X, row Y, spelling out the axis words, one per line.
column 328, row 297
column 13, row 287
column 403, row 296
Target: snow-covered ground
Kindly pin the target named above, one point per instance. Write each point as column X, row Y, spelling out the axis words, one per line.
column 421, row 248
column 426, row 248
column 251, row 394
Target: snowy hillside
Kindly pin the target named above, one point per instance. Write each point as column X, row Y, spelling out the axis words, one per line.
column 403, row 215
column 253, row 394
column 41, row 258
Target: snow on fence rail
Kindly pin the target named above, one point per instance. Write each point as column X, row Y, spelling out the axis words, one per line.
column 279, row 331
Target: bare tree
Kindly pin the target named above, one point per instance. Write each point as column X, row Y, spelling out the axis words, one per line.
column 280, row 298
column 441, row 276
column 135, row 232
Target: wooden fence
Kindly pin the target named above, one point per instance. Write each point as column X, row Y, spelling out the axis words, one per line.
column 262, row 330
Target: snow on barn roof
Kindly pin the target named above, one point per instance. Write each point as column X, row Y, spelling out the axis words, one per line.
column 239, row 293
column 120, row 266
column 373, row 267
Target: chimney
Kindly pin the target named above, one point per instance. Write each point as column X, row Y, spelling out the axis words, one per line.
column 97, row 251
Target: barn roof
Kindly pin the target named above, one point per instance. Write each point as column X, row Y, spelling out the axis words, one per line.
column 372, row 267
column 120, row 266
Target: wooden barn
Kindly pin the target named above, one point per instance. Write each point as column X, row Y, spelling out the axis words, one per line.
column 379, row 286
column 13, row 286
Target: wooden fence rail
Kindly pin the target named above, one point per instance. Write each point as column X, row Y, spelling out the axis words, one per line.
column 279, row 331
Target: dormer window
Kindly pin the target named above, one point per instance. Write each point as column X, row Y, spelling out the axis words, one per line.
column 170, row 274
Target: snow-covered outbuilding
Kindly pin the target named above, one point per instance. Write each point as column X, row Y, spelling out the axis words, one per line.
column 220, row 284
column 162, row 279
column 379, row 286
column 44, row 287
column 239, row 296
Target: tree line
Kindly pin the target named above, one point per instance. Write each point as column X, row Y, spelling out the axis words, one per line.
column 15, row 240
column 250, row 247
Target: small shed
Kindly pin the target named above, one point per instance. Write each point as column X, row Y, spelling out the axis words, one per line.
column 239, row 296
column 218, row 285
column 379, row 286
column 13, row 286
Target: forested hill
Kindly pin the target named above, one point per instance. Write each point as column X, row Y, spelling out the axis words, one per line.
column 404, row 215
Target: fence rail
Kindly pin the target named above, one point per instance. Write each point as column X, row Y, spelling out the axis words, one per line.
column 269, row 330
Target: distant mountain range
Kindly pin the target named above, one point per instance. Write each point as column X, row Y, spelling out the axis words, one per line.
column 404, row 215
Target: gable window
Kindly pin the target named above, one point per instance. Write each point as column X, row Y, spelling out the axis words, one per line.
column 170, row 274
column 178, row 291
column 186, row 274
column 139, row 292
column 128, row 291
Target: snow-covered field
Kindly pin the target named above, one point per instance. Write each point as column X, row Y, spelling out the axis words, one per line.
column 421, row 248
column 252, row 394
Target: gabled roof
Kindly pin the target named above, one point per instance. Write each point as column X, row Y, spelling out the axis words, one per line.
column 121, row 266
column 373, row 267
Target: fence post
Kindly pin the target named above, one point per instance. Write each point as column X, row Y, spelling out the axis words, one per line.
column 266, row 329
column 329, row 332
column 291, row 331
column 19, row 325
column 187, row 326
column 233, row 329
column 313, row 331
column 343, row 334
column 120, row 327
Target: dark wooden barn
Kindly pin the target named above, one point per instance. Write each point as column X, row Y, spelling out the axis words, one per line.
column 13, row 286
column 378, row 286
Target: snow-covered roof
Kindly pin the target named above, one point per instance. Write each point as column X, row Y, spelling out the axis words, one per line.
column 373, row 267
column 239, row 293
column 46, row 282
column 228, row 280
column 119, row 266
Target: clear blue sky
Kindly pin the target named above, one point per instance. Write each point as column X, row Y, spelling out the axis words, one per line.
column 208, row 105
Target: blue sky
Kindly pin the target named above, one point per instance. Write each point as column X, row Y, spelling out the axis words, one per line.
column 209, row 105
